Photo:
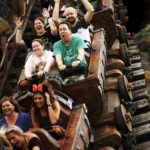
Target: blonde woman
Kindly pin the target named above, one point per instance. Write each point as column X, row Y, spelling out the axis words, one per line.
column 22, row 141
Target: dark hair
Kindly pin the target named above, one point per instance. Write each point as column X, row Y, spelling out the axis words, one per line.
column 65, row 22
column 46, row 87
column 38, row 40
column 39, row 18
column 12, row 101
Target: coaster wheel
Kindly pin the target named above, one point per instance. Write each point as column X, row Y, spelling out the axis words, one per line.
column 123, row 119
column 124, row 54
column 122, row 34
column 123, row 88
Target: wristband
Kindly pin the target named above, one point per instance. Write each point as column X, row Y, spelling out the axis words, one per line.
column 19, row 28
column 78, row 59
column 49, row 105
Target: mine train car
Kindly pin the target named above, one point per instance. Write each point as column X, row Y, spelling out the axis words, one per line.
column 92, row 109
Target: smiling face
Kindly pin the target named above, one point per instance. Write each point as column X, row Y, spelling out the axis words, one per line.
column 15, row 140
column 39, row 100
column 7, row 107
column 37, row 48
column 39, row 26
column 71, row 15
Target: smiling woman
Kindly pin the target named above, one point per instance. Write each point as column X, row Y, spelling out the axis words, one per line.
column 39, row 63
column 13, row 115
column 22, row 141
column 45, row 111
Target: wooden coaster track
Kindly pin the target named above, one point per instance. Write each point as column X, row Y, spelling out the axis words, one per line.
column 115, row 94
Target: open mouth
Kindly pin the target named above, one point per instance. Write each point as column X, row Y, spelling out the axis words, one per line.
column 63, row 35
column 38, row 27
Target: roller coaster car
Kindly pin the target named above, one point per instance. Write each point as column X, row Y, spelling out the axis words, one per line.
column 90, row 90
column 25, row 100
column 105, row 19
column 78, row 133
column 91, row 87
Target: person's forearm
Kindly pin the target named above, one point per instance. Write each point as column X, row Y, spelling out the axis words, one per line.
column 80, row 54
column 53, row 27
column 19, row 36
column 28, row 74
column 53, row 113
column 48, row 65
column 59, row 60
column 55, row 15
column 90, row 10
column 87, row 5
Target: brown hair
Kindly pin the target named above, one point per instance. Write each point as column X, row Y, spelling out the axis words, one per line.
column 67, row 23
column 39, row 18
column 12, row 101
column 38, row 40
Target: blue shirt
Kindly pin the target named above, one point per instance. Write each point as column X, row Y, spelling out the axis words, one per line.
column 23, row 121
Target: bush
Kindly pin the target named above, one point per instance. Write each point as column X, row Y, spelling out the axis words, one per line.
column 143, row 38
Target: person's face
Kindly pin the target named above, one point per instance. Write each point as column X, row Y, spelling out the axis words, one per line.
column 37, row 48
column 39, row 100
column 71, row 15
column 39, row 26
column 64, row 32
column 15, row 140
column 7, row 108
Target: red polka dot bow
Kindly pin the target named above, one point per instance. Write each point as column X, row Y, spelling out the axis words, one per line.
column 36, row 88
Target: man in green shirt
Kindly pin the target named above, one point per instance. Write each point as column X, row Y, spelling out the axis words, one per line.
column 69, row 52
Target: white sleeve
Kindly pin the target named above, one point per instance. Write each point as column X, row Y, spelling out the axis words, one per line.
column 29, row 65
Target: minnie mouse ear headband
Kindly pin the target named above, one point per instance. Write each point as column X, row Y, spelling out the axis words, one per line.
column 39, row 88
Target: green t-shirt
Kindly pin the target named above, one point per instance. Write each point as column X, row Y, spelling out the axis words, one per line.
column 69, row 53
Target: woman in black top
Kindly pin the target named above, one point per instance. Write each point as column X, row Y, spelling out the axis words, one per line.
column 48, row 35
column 46, row 109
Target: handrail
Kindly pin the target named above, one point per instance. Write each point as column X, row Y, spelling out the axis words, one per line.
column 5, row 49
column 13, row 34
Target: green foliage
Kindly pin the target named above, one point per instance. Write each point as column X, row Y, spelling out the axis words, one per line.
column 143, row 39
column 144, row 34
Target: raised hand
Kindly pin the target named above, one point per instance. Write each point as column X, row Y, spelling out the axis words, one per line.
column 45, row 13
column 18, row 22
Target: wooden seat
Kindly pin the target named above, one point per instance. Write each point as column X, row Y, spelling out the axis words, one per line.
column 78, row 132
column 104, row 19
column 47, row 140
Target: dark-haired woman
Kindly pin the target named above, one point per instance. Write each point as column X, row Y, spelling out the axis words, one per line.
column 48, row 33
column 48, row 36
column 46, row 109
column 13, row 115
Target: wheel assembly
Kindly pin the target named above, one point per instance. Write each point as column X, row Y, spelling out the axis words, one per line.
column 124, row 88
column 123, row 119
